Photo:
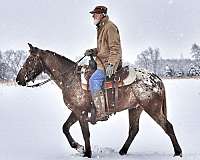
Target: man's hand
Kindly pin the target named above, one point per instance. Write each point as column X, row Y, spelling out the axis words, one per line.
column 109, row 70
column 90, row 52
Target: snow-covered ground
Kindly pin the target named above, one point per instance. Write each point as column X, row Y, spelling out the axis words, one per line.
column 31, row 126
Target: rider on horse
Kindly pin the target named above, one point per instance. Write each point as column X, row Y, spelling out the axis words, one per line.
column 109, row 58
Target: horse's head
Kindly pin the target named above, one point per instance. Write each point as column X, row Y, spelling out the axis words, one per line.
column 32, row 67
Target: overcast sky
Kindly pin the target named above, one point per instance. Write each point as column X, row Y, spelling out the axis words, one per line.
column 66, row 27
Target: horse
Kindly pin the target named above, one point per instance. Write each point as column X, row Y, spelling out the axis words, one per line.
column 145, row 94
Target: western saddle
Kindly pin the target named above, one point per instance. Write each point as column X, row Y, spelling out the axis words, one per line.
column 124, row 76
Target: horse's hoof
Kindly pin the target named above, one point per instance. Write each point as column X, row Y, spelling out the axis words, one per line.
column 87, row 154
column 178, row 154
column 122, row 152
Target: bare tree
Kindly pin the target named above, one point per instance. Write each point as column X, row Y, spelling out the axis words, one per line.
column 195, row 51
column 149, row 59
column 154, row 58
column 13, row 61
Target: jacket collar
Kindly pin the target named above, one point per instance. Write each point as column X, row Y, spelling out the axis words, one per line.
column 102, row 22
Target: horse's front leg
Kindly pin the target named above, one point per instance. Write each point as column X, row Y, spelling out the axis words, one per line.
column 86, row 134
column 70, row 121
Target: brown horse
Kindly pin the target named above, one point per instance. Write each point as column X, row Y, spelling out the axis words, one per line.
column 147, row 94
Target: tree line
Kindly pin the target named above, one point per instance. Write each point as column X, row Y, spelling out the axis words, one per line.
column 150, row 59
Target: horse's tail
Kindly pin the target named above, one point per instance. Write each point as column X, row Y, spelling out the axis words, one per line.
column 164, row 106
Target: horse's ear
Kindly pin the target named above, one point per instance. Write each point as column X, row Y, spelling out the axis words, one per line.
column 30, row 45
column 33, row 50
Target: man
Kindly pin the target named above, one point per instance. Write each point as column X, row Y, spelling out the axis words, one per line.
column 109, row 58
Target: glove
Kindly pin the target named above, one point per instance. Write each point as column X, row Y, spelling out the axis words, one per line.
column 91, row 52
column 109, row 70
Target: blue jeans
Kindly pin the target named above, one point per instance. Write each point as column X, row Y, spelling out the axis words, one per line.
column 96, row 81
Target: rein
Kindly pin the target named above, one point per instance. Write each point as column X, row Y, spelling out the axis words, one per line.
column 39, row 84
column 48, row 80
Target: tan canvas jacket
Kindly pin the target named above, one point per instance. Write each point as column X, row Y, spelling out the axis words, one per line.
column 108, row 44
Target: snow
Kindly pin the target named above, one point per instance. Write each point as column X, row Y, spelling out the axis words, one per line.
column 31, row 126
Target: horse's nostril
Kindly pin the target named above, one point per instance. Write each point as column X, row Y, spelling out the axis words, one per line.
column 18, row 82
column 21, row 83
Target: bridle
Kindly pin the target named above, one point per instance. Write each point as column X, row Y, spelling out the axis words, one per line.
column 35, row 60
column 49, row 79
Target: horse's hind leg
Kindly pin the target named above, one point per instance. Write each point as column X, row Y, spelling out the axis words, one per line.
column 70, row 121
column 134, row 116
column 161, row 119
column 170, row 132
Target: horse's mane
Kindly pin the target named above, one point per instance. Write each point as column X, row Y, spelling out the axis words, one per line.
column 63, row 58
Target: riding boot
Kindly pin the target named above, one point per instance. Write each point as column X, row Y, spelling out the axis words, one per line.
column 98, row 109
column 93, row 114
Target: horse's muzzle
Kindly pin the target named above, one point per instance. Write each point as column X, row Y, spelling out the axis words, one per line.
column 21, row 83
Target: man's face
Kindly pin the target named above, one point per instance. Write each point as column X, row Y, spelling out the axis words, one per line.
column 97, row 16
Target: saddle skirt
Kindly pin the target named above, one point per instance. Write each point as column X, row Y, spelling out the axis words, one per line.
column 125, row 76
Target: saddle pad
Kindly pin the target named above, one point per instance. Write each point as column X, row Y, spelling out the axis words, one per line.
column 133, row 74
